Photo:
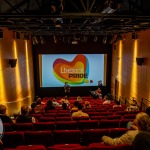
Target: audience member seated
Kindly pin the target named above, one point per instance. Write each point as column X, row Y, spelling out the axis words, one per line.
column 55, row 102
column 3, row 116
column 142, row 121
column 106, row 100
column 64, row 106
column 117, row 104
column 133, row 106
column 79, row 113
column 33, row 105
column 79, row 99
column 24, row 117
column 75, row 106
column 97, row 93
column 142, row 141
column 49, row 106
column 39, row 108
column 87, row 105
column 65, row 100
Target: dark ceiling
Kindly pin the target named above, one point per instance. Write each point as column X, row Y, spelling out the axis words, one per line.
column 70, row 17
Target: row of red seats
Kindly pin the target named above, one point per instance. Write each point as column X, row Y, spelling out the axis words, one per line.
column 67, row 125
column 49, row 138
column 92, row 146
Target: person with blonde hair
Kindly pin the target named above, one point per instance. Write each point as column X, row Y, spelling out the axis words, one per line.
column 87, row 105
column 142, row 122
column 3, row 116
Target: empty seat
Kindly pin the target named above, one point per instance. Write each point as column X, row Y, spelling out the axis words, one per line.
column 37, row 116
column 114, row 117
column 22, row 127
column 106, row 113
column 63, row 114
column 75, row 148
column 63, row 118
column 93, row 135
column 66, row 125
column 80, row 118
column 66, row 136
column 98, row 117
column 13, row 139
column 47, row 119
column 50, row 114
column 109, row 123
column 88, row 124
column 66, row 146
column 41, row 126
column 93, row 113
column 31, row 147
column 38, row 138
column 129, row 116
column 64, row 111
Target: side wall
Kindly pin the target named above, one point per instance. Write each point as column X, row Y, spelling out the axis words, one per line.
column 129, row 79
column 16, row 84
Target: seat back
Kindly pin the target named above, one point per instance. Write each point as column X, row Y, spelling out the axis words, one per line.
column 13, row 139
column 66, row 136
column 38, row 138
column 22, row 127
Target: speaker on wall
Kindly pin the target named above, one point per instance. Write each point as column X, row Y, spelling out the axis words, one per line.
column 12, row 62
column 139, row 61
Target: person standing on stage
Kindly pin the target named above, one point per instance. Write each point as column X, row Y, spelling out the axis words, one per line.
column 100, row 84
column 67, row 89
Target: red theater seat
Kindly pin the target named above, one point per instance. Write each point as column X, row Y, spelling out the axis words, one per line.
column 13, row 139
column 7, row 127
column 88, row 124
column 38, row 138
column 63, row 118
column 67, row 136
column 116, row 132
column 22, row 127
column 66, row 125
column 114, row 117
column 31, row 147
column 97, row 146
column 47, row 119
column 109, row 123
column 93, row 135
column 41, row 126
column 98, row 117
column 75, row 148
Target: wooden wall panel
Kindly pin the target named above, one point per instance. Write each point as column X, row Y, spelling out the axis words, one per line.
column 133, row 86
column 16, row 84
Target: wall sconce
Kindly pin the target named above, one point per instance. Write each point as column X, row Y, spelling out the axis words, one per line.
column 1, row 34
column 105, row 39
column 42, row 40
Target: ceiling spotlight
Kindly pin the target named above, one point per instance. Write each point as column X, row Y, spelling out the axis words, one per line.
column 95, row 39
column 35, row 40
column 58, row 22
column 105, row 39
column 111, row 40
column 55, row 39
column 42, row 40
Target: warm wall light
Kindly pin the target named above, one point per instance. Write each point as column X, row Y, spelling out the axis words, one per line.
column 105, row 39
